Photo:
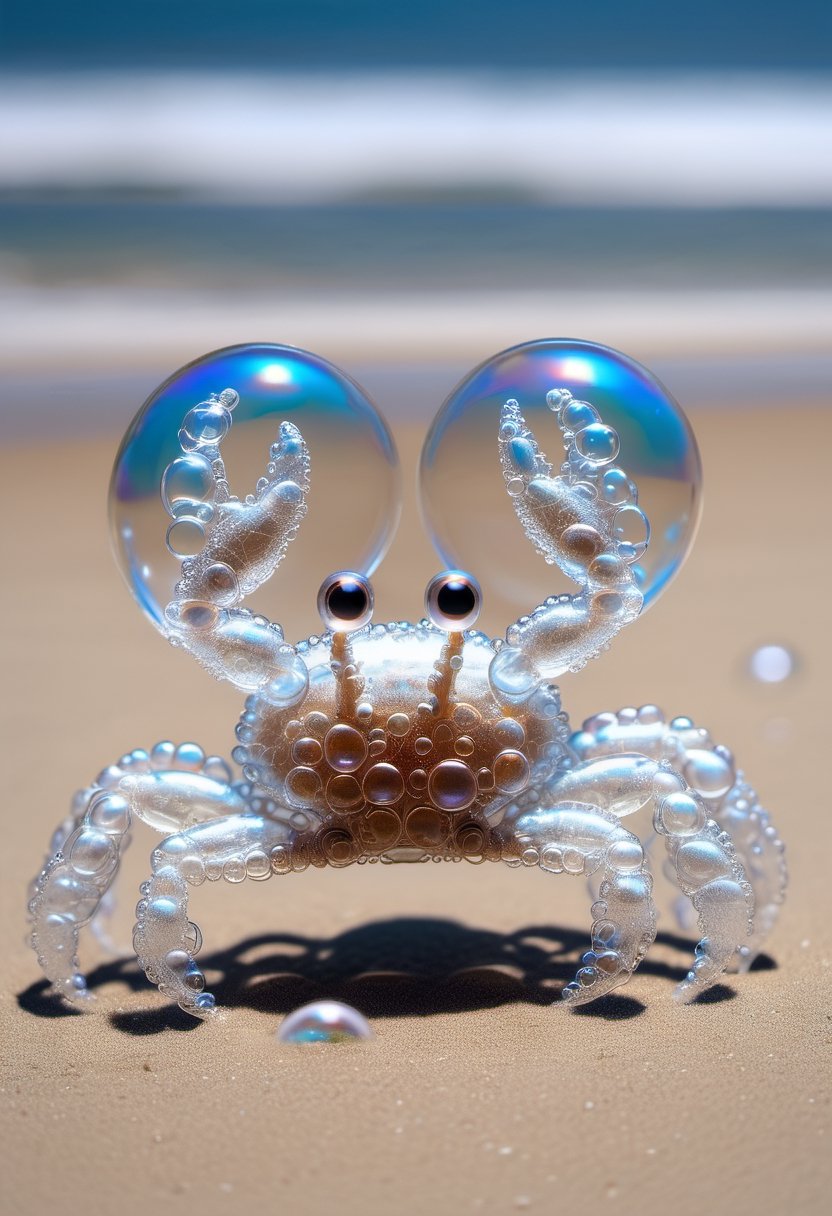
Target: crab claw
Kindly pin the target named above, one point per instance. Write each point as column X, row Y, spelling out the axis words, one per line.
column 247, row 539
column 230, row 546
column 586, row 521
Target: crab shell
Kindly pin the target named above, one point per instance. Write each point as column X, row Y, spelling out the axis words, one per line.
column 400, row 748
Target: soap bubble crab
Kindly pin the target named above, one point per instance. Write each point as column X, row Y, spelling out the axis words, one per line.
column 405, row 742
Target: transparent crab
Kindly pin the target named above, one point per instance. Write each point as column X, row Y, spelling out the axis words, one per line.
column 407, row 742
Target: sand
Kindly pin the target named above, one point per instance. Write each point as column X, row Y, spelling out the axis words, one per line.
column 477, row 1095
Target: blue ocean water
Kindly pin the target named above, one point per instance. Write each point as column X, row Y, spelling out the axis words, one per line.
column 302, row 34
column 482, row 179
column 327, row 148
column 477, row 243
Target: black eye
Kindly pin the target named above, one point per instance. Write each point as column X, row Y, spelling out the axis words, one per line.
column 345, row 601
column 453, row 600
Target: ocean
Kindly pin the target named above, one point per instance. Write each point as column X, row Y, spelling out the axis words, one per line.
column 411, row 219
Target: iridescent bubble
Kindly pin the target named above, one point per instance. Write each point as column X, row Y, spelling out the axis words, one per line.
column 426, row 827
column 772, row 664
column 354, row 496
column 185, row 538
column 324, row 1022
column 680, row 814
column 345, row 748
column 204, row 426
column 598, row 443
column 289, row 681
column 632, row 528
column 383, row 784
column 92, row 852
column 511, row 772
column 614, row 401
column 187, row 479
column 578, row 414
column 452, row 785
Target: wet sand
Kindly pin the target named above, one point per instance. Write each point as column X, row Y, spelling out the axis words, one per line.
column 477, row 1095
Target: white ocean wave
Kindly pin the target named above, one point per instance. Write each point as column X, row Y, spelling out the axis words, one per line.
column 707, row 140
column 95, row 326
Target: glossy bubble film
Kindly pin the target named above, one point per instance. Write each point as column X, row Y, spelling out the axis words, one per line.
column 772, row 664
column 631, row 419
column 324, row 1022
column 354, row 497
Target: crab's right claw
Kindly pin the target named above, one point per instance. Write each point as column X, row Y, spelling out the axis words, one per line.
column 229, row 547
column 586, row 520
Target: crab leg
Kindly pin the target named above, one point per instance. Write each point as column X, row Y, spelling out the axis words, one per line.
column 166, row 942
column 728, row 799
column 723, row 850
column 580, row 839
column 167, row 787
column 230, row 546
column 702, row 859
column 586, row 521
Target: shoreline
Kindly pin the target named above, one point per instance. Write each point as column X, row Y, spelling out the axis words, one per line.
column 81, row 325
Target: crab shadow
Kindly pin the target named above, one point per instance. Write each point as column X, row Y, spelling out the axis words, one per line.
column 402, row 967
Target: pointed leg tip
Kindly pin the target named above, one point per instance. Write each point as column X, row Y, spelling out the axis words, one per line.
column 205, row 1008
column 693, row 986
column 74, row 992
column 743, row 959
column 687, row 991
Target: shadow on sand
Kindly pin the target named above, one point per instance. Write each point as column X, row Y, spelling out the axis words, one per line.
column 402, row 967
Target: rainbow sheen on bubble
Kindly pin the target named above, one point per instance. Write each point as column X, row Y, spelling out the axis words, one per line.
column 625, row 420
column 355, row 492
column 324, row 1022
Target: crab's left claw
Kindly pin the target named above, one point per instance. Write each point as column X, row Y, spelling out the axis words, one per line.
column 247, row 538
column 586, row 520
column 241, row 543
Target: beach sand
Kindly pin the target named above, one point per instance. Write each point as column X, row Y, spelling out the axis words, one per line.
column 476, row 1095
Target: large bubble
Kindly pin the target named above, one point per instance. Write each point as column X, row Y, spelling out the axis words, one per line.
column 463, row 492
column 354, row 496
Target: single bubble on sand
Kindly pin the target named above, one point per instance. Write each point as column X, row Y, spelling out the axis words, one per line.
column 324, row 1022
column 772, row 664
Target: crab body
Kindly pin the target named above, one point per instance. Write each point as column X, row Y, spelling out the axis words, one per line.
column 399, row 750
column 405, row 742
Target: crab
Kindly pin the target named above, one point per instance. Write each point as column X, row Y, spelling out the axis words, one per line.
column 400, row 743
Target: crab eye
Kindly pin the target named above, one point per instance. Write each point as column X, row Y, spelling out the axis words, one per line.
column 453, row 600
column 345, row 601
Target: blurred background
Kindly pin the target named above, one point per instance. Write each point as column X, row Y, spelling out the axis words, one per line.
column 407, row 189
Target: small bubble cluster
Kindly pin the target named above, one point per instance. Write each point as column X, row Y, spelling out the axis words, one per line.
column 224, row 564
column 573, row 525
column 612, row 496
column 189, row 482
